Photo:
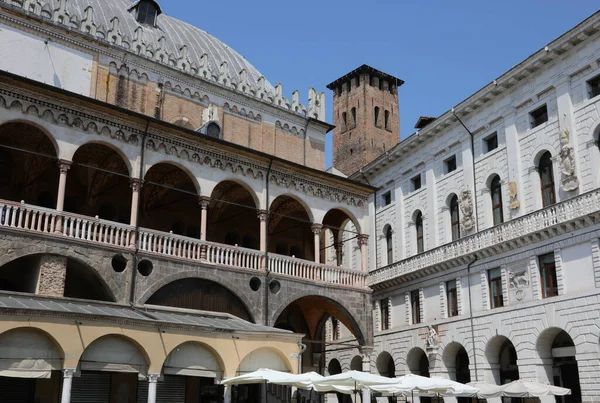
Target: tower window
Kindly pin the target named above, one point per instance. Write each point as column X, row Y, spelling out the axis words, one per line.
column 538, row 116
column 376, row 116
column 384, row 308
column 419, row 231
column 353, row 111
column 389, row 243
column 546, row 179
column 415, row 304
column 548, row 275
column 387, row 120
column 387, row 198
column 146, row 12
column 496, row 193
column 455, row 218
column 452, row 298
column 344, row 121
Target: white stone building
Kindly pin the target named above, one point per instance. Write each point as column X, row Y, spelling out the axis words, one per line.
column 486, row 265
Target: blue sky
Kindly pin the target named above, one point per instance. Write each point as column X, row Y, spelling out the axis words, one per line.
column 443, row 50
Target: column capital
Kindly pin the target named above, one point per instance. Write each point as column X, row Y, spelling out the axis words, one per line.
column 204, row 202
column 366, row 351
column 64, row 166
column 153, row 378
column 136, row 184
column 68, row 372
column 262, row 215
column 316, row 228
column 363, row 239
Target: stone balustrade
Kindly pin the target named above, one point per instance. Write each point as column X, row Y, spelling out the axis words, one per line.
column 546, row 219
column 48, row 222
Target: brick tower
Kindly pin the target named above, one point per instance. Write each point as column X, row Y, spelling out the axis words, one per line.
column 366, row 117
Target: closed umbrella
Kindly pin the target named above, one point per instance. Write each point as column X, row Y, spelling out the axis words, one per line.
column 520, row 388
column 487, row 390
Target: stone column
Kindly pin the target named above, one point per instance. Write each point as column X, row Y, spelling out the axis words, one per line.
column 64, row 166
column 339, row 253
column 366, row 352
column 362, row 242
column 262, row 216
column 316, row 229
column 66, row 387
column 152, row 383
column 135, row 197
column 204, row 202
column 52, row 275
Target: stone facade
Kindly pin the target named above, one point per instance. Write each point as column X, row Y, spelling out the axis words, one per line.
column 53, row 273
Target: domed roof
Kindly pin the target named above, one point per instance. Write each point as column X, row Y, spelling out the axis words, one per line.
column 176, row 34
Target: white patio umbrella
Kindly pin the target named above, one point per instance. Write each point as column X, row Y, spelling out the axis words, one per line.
column 486, row 390
column 521, row 388
column 409, row 385
column 351, row 380
column 262, row 375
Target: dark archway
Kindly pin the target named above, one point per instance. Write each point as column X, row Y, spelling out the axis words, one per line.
column 232, row 216
column 98, row 184
column 356, row 364
column 344, row 230
column 28, row 165
column 170, row 201
column 290, row 231
column 557, row 345
column 82, row 281
column 334, row 367
column 502, row 356
column 200, row 294
column 385, row 365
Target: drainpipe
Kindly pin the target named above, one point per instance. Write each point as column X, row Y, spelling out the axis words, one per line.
column 302, row 350
column 471, row 315
column 266, row 310
column 474, row 179
column 137, row 221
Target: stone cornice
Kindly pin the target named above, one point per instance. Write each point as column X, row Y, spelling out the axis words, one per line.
column 496, row 88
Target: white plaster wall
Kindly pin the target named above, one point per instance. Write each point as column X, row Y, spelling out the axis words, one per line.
column 578, row 268
column 46, row 61
column 398, row 311
column 431, row 303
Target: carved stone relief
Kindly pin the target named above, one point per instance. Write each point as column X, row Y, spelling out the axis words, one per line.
column 466, row 208
column 514, row 195
column 519, row 284
column 569, row 179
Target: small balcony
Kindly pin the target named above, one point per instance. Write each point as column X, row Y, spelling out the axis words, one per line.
column 578, row 212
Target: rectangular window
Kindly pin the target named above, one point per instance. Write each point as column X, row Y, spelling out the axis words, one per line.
column 495, row 285
column 450, row 164
column 452, row 298
column 548, row 275
column 387, row 198
column 594, row 87
column 538, row 116
column 416, row 182
column 491, row 142
column 384, row 309
column 415, row 306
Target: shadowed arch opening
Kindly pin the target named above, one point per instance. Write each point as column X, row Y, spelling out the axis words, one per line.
column 385, row 365
column 306, row 315
column 98, row 184
column 170, row 201
column 456, row 360
column 28, row 165
column 114, row 353
column 290, row 232
column 200, row 294
column 334, row 367
column 81, row 281
column 340, row 244
column 232, row 216
column 356, row 364
column 557, row 349
column 417, row 362
column 502, row 357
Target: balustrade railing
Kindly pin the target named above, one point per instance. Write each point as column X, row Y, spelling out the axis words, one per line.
column 559, row 213
column 293, row 267
column 24, row 217
column 37, row 219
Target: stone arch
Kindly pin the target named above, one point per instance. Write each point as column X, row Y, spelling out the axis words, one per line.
column 331, row 213
column 334, row 367
column 284, row 359
column 454, row 354
column 356, row 363
column 232, row 287
column 543, row 344
column 177, row 165
column 491, row 175
column 215, row 353
column 184, row 122
column 83, row 271
column 42, row 129
column 345, row 315
column 12, row 339
column 290, row 228
column 385, row 365
column 502, row 358
column 139, row 347
column 303, row 203
column 415, row 362
column 113, row 147
column 242, row 184
column 540, row 151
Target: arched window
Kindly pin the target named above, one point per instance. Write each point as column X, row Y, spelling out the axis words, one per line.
column 546, row 179
column 213, row 130
column 496, row 193
column 419, row 231
column 344, row 121
column 455, row 218
column 389, row 243
column 386, row 120
column 353, row 111
column 147, row 11
column 376, row 116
